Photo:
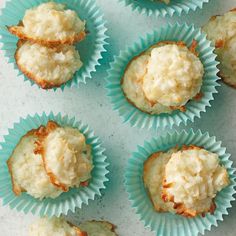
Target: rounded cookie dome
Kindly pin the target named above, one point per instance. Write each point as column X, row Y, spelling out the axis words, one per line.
column 174, row 75
column 50, row 24
column 47, row 66
column 66, row 156
column 192, row 179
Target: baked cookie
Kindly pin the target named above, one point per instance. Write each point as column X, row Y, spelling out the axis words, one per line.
column 222, row 32
column 163, row 78
column 66, row 156
column 49, row 67
column 50, row 24
column 49, row 160
column 192, row 178
column 184, row 181
column 27, row 170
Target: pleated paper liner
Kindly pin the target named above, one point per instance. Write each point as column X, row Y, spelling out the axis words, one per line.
column 168, row 223
column 158, row 8
column 194, row 108
column 67, row 201
column 91, row 49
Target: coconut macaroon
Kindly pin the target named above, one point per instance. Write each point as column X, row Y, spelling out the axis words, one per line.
column 43, row 52
column 192, row 178
column 50, row 24
column 98, row 228
column 27, row 170
column 221, row 31
column 49, row 160
column 184, row 181
column 60, row 227
column 54, row 226
column 163, row 78
column 153, row 173
column 66, row 156
column 48, row 66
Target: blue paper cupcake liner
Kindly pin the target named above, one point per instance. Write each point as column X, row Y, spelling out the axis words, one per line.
column 67, row 201
column 167, row 223
column 133, row 115
column 91, row 49
column 158, row 8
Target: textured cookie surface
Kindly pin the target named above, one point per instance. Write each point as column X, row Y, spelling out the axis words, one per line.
column 192, row 179
column 50, row 24
column 48, row 67
column 153, row 174
column 67, row 157
column 174, row 75
column 163, row 78
column 222, row 32
column 27, row 170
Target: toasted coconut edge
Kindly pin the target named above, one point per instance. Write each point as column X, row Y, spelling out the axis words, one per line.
column 42, row 135
column 49, row 43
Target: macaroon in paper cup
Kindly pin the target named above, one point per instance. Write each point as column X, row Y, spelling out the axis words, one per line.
column 158, row 8
column 168, row 223
column 91, row 49
column 177, row 32
column 67, row 201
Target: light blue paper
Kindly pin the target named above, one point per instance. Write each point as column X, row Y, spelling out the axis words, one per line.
column 157, row 8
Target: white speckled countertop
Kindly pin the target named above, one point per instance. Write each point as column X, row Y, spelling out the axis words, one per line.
column 89, row 103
